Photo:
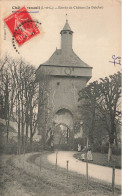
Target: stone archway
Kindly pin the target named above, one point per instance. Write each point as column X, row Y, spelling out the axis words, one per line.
column 64, row 116
column 61, row 134
column 63, row 130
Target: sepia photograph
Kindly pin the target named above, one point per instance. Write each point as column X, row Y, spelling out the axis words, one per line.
column 60, row 98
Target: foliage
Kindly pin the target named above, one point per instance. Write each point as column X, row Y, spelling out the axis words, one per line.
column 100, row 110
column 20, row 98
column 116, row 150
column 43, row 107
column 9, row 147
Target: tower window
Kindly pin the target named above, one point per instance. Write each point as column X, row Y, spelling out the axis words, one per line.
column 70, row 33
column 58, row 83
column 64, row 32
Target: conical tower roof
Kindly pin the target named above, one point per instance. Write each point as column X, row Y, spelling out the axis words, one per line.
column 67, row 58
column 66, row 26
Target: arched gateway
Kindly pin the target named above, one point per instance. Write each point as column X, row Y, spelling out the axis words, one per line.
column 63, row 129
column 67, row 74
column 61, row 137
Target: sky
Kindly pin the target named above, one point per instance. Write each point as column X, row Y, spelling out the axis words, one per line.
column 97, row 32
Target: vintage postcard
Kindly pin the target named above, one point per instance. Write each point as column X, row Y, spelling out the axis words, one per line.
column 60, row 98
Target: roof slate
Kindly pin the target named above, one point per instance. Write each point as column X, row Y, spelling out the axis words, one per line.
column 65, row 58
column 60, row 58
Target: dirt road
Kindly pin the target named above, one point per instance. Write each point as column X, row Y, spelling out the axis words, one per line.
column 33, row 175
column 95, row 171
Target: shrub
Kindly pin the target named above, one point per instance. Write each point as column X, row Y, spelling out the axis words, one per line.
column 37, row 147
column 96, row 147
column 104, row 148
column 116, row 150
column 10, row 147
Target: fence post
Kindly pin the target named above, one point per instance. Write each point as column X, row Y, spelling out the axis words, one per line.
column 87, row 175
column 40, row 162
column 67, row 168
column 56, row 159
column 23, row 165
column 113, row 178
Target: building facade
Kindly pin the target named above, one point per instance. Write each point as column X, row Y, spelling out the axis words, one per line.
column 66, row 74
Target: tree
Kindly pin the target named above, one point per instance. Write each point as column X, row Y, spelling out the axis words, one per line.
column 7, row 92
column 108, row 105
column 89, row 97
column 33, row 98
column 20, row 93
column 102, row 100
column 27, row 102
column 43, row 107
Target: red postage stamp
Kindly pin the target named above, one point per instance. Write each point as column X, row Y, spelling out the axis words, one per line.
column 21, row 26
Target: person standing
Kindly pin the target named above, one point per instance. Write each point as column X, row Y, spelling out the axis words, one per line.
column 83, row 154
column 89, row 155
column 79, row 147
column 52, row 145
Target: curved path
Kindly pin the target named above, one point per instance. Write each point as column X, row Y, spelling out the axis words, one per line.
column 95, row 171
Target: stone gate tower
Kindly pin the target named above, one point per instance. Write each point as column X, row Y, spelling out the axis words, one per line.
column 67, row 74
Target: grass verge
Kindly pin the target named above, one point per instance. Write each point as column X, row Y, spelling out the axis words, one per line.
column 23, row 176
column 102, row 159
